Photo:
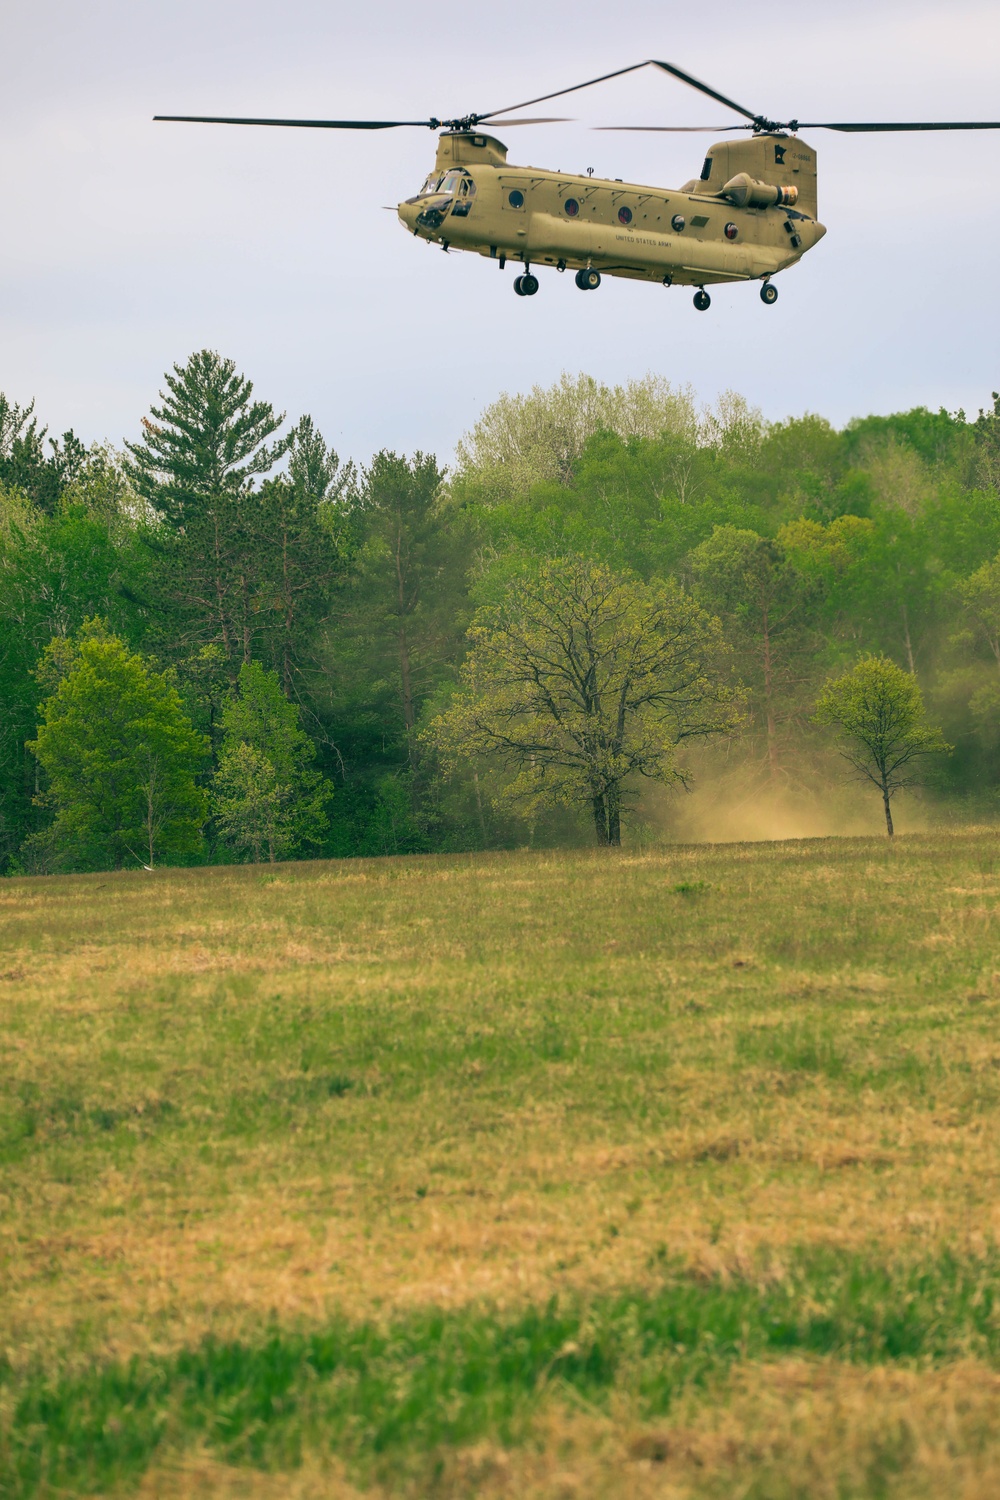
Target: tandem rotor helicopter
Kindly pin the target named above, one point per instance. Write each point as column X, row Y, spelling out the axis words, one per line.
column 750, row 214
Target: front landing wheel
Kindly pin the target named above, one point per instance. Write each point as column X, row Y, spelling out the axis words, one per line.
column 702, row 301
column 768, row 294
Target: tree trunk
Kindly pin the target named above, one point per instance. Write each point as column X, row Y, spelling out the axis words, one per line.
column 409, row 717
column 772, row 743
column 614, row 818
column 220, row 594
column 286, row 649
column 244, row 591
column 888, row 810
column 908, row 644
column 601, row 819
column 479, row 804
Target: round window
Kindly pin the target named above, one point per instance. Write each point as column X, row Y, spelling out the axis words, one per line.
column 677, row 223
column 516, row 198
column 572, row 207
column 624, row 216
column 731, row 231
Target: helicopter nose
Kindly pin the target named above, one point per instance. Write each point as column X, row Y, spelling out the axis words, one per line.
column 408, row 214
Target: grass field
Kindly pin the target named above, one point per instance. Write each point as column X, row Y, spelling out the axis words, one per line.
column 673, row 1174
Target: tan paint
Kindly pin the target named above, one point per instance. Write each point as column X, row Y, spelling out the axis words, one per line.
column 540, row 232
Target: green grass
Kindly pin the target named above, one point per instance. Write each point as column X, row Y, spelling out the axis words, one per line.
column 379, row 1162
column 399, row 1392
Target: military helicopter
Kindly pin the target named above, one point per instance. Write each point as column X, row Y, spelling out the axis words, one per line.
column 751, row 213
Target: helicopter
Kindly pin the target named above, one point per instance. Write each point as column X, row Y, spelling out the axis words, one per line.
column 750, row 214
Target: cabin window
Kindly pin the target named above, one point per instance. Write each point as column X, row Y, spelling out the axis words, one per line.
column 706, row 170
column 731, row 231
column 624, row 216
column 572, row 207
column 677, row 223
column 515, row 198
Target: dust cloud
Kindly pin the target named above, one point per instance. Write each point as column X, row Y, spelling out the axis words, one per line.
column 713, row 812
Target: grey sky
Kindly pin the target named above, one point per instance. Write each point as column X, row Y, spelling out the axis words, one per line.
column 126, row 245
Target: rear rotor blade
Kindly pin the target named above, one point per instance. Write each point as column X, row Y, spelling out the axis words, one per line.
column 703, row 88
column 676, row 129
column 301, row 124
column 901, row 125
column 573, row 88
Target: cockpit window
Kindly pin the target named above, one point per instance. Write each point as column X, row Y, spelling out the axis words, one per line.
column 463, row 201
column 449, row 184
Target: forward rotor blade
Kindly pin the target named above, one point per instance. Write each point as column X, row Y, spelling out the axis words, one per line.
column 542, row 120
column 301, row 124
column 907, row 125
column 703, row 88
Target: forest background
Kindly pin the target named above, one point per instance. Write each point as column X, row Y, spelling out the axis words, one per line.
column 286, row 628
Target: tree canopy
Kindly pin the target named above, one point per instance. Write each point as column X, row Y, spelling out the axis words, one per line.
column 239, row 559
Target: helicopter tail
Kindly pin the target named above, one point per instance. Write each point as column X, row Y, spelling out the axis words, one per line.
column 784, row 161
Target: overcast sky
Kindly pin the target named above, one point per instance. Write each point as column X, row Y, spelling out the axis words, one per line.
column 125, row 244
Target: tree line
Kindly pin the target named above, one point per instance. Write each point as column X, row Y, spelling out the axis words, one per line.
column 222, row 643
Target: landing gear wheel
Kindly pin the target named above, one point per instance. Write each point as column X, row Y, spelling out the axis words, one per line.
column 529, row 284
column 702, row 301
column 518, row 287
column 588, row 280
column 769, row 294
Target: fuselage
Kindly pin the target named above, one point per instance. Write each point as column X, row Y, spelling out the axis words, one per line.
column 475, row 200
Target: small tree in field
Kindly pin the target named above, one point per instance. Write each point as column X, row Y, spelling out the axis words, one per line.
column 254, row 810
column 268, row 795
column 582, row 679
column 880, row 712
column 121, row 756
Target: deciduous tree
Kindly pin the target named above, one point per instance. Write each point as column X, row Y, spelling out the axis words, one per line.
column 879, row 711
column 581, row 680
column 267, row 792
column 120, row 756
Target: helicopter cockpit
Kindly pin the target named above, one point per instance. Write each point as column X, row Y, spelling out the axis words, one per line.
column 456, row 185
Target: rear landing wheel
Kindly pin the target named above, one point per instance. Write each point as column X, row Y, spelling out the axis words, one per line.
column 702, row 301
column 769, row 294
column 517, row 286
column 529, row 284
column 588, row 280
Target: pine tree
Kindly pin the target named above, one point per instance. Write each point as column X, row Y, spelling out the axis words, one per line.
column 203, row 449
column 208, row 440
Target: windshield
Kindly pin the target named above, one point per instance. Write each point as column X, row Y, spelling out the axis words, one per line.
column 430, row 186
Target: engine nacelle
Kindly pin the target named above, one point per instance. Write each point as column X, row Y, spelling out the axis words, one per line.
column 744, row 191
